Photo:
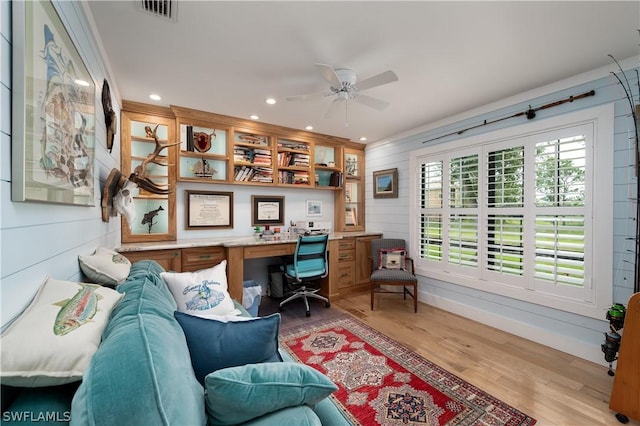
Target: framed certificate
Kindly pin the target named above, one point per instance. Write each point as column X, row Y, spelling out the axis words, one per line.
column 267, row 210
column 208, row 209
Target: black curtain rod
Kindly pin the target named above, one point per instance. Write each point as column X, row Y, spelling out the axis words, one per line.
column 530, row 113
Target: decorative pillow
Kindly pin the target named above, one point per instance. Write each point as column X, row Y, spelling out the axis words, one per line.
column 214, row 344
column 52, row 342
column 257, row 389
column 393, row 258
column 105, row 266
column 201, row 292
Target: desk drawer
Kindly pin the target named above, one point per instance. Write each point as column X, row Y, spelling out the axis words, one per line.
column 197, row 258
column 269, row 250
column 347, row 244
column 346, row 255
column 346, row 275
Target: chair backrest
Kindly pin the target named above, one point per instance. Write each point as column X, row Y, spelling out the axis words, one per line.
column 384, row 243
column 310, row 257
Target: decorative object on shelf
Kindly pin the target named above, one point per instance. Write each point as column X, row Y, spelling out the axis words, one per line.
column 267, row 210
column 53, row 111
column 139, row 175
column 202, row 169
column 208, row 209
column 118, row 186
column 314, row 208
column 202, row 141
column 110, row 118
column 385, row 183
column 148, row 217
column 351, row 168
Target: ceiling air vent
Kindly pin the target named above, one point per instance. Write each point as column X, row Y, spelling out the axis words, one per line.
column 160, row 8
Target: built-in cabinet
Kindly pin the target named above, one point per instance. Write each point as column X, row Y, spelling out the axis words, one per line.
column 155, row 214
column 181, row 259
column 354, row 263
column 349, row 202
column 212, row 148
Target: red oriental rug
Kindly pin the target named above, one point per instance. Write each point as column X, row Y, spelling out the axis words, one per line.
column 380, row 382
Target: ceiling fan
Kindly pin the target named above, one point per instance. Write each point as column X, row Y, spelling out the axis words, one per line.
column 345, row 87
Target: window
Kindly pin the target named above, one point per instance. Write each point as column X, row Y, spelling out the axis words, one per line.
column 511, row 212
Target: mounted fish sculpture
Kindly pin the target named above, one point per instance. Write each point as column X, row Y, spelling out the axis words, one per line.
column 147, row 219
column 76, row 311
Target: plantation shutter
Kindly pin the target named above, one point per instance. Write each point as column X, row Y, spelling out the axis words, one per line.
column 431, row 211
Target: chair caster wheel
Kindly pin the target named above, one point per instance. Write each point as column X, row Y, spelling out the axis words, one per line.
column 308, row 313
column 327, row 304
column 622, row 418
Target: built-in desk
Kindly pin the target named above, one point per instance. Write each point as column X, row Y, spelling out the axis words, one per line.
column 205, row 252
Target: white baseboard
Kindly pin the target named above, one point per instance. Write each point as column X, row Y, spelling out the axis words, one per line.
column 562, row 343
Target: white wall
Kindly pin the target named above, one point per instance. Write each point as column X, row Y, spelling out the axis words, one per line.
column 570, row 333
column 45, row 239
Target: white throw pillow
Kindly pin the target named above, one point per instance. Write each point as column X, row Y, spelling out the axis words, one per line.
column 105, row 266
column 202, row 292
column 53, row 340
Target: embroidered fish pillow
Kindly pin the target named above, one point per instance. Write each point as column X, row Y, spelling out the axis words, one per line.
column 53, row 340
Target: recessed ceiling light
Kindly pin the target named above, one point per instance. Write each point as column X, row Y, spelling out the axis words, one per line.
column 309, row 128
column 270, row 101
column 254, row 117
column 82, row 83
column 363, row 138
column 154, row 97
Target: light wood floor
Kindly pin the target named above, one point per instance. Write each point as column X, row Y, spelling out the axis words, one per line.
column 553, row 387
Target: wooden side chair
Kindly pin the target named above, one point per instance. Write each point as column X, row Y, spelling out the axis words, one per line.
column 390, row 266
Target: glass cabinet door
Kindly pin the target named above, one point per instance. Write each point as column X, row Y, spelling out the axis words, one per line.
column 154, row 213
column 350, row 201
column 203, row 152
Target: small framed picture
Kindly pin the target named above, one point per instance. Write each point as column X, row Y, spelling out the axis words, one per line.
column 314, row 208
column 385, row 183
column 267, row 210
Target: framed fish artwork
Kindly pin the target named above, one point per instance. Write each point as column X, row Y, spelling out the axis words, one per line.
column 53, row 139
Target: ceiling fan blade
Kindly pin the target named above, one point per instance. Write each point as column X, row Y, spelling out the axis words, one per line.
column 377, row 80
column 330, row 75
column 374, row 103
column 307, row 97
column 335, row 107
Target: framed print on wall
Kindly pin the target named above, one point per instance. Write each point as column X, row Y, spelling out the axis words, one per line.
column 53, row 105
column 209, row 209
column 314, row 208
column 267, row 210
column 385, row 183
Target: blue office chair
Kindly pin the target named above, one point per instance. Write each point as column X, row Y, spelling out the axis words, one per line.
column 309, row 264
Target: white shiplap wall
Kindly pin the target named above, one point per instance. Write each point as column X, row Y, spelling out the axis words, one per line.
column 570, row 333
column 45, row 239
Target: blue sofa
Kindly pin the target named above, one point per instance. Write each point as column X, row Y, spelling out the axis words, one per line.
column 142, row 372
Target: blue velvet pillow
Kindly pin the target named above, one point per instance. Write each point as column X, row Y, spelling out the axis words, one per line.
column 214, row 344
column 257, row 389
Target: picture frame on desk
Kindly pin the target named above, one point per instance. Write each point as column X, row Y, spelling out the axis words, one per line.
column 267, row 210
column 385, row 183
column 53, row 104
column 209, row 209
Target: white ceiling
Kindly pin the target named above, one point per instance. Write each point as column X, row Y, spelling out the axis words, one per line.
column 449, row 56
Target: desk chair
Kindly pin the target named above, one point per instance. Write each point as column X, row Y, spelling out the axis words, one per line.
column 309, row 264
column 390, row 266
